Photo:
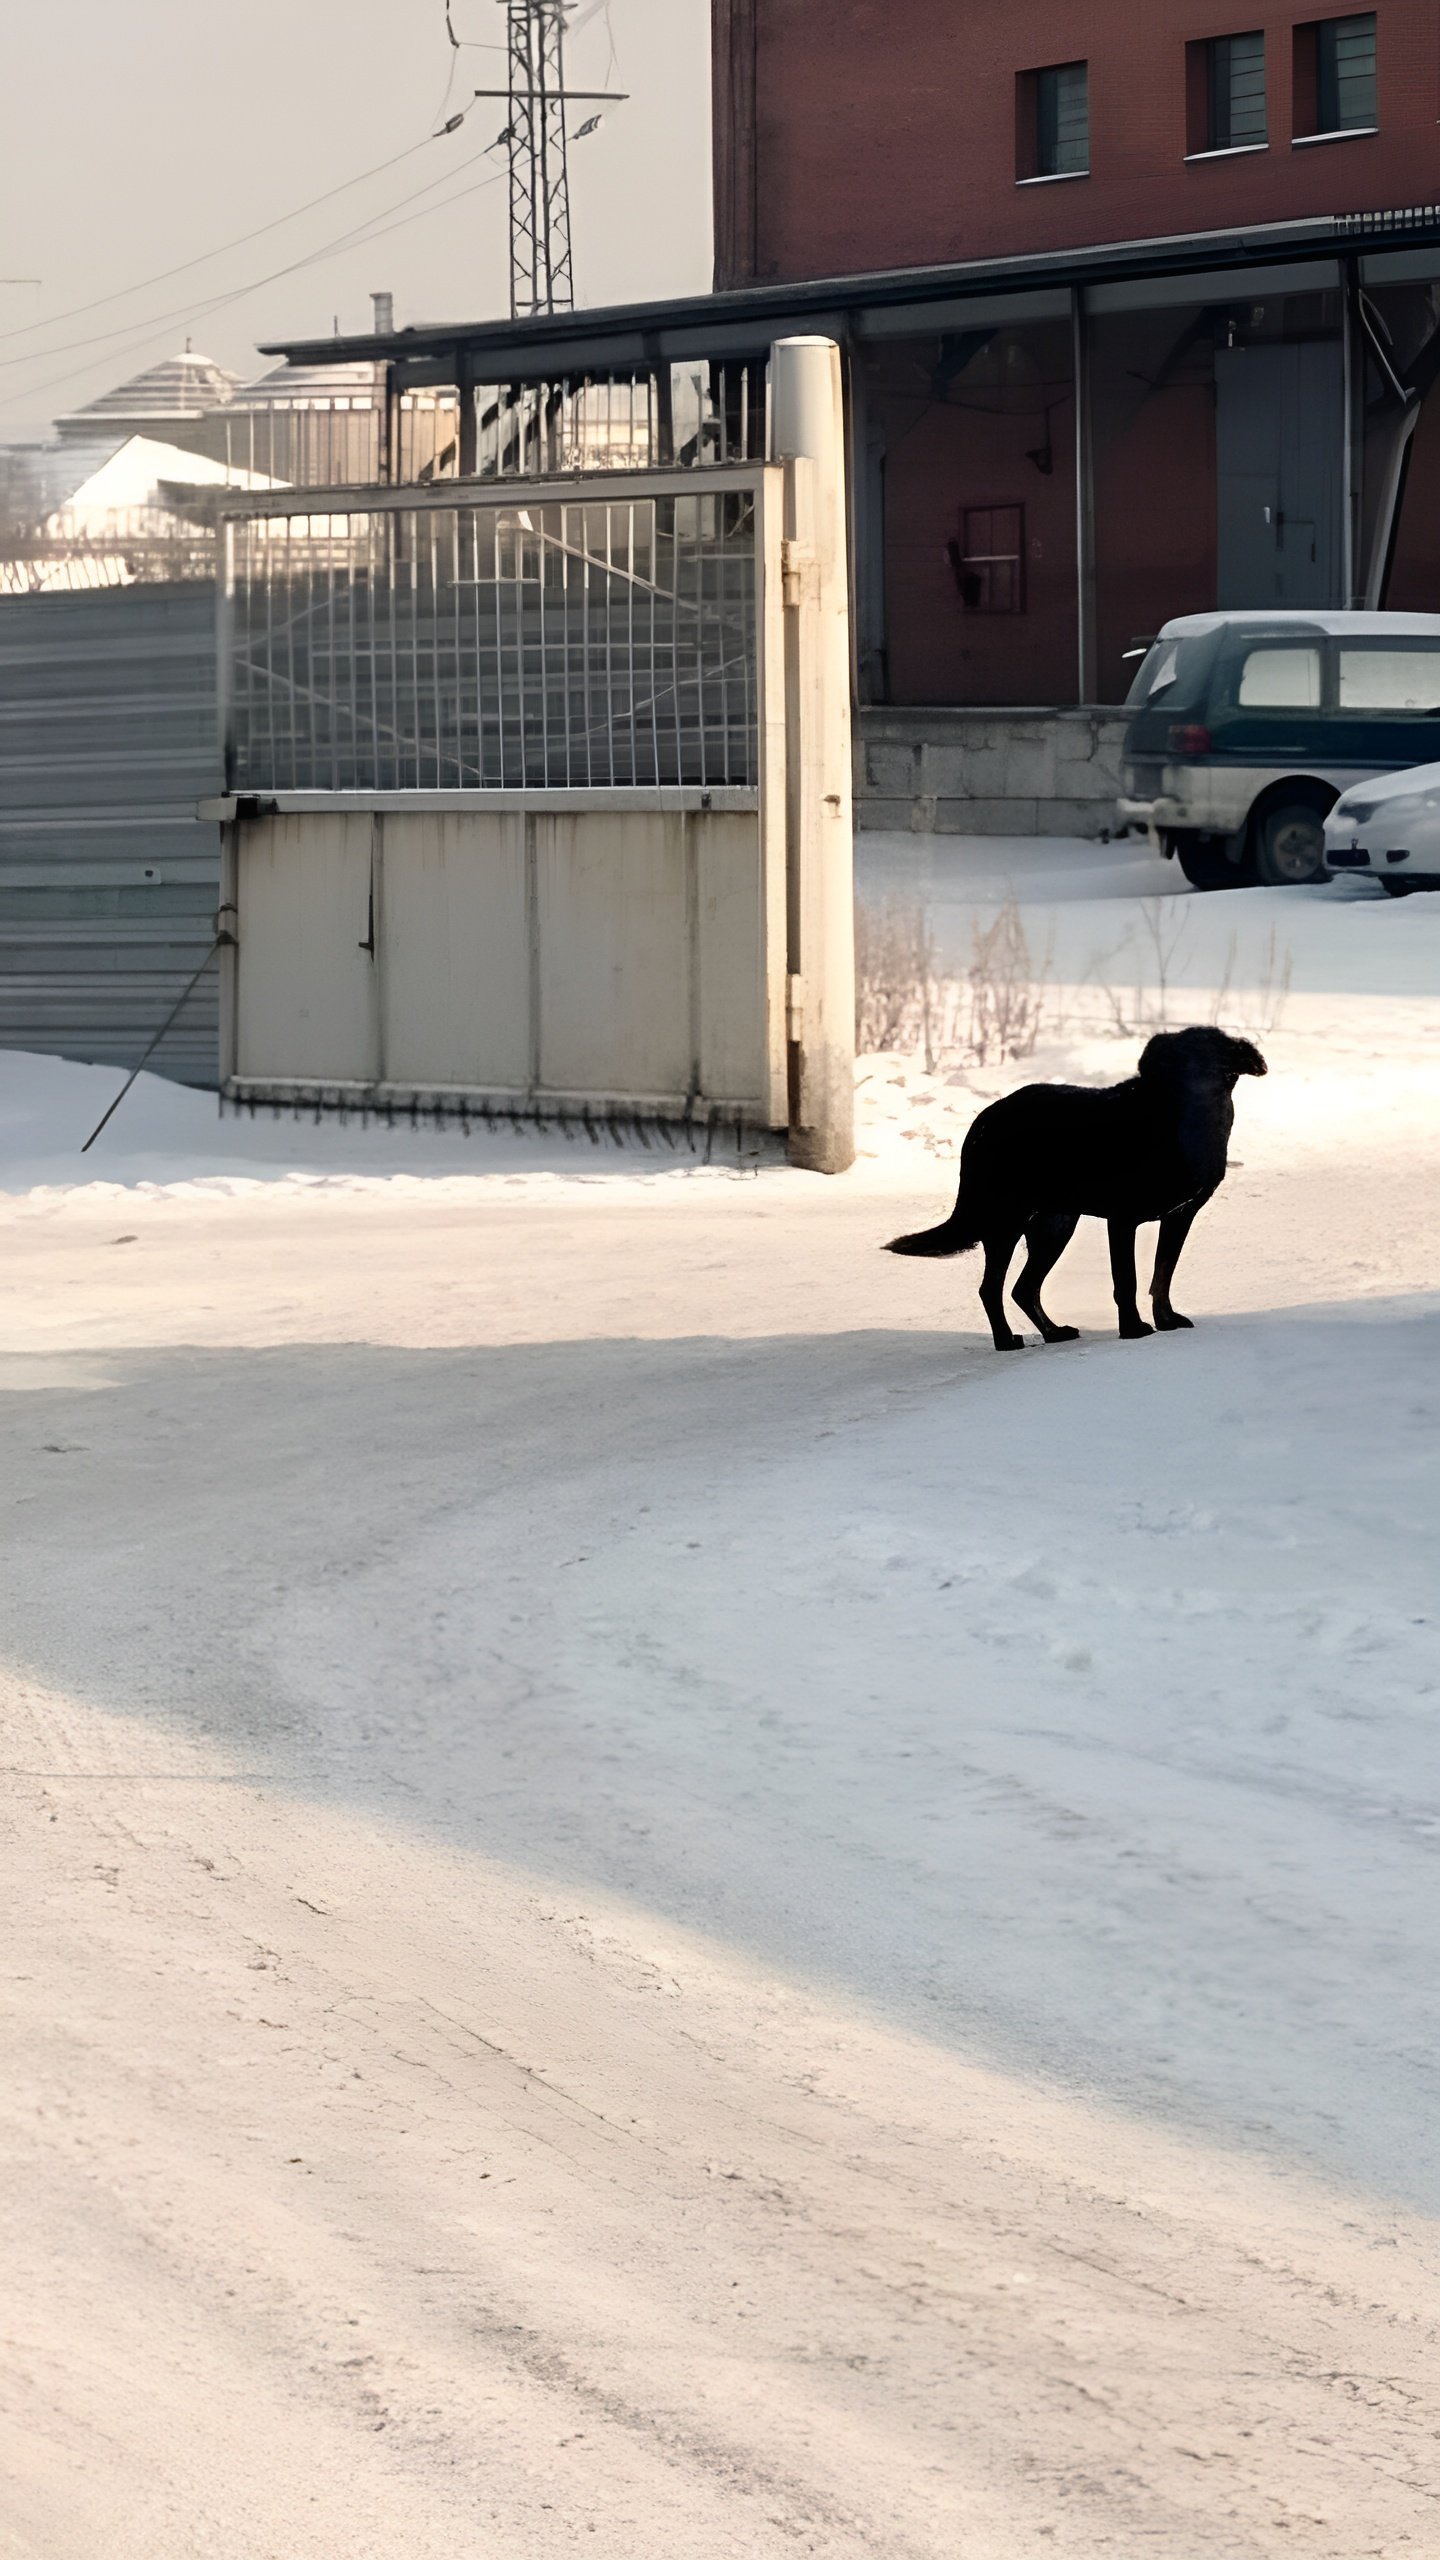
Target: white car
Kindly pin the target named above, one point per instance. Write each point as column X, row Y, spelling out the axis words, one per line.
column 1389, row 828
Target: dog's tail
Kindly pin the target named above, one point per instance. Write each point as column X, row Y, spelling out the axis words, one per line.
column 959, row 1234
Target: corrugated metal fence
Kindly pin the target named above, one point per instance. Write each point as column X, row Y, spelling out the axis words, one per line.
column 108, row 880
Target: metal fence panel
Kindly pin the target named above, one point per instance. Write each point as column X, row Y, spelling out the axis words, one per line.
column 108, row 880
column 676, row 416
column 606, row 640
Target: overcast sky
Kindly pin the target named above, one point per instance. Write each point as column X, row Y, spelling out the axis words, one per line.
column 143, row 132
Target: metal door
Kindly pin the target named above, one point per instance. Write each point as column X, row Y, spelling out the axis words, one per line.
column 304, row 1005
column 1279, row 460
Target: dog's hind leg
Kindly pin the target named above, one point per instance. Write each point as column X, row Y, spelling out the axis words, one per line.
column 1122, row 1275
column 1169, row 1246
column 1000, row 1243
column 1045, row 1241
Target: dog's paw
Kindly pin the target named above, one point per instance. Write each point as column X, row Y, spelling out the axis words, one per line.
column 1135, row 1332
column 1063, row 1333
column 1169, row 1322
column 1010, row 1342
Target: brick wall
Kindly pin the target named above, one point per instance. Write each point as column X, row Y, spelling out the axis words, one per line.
column 858, row 135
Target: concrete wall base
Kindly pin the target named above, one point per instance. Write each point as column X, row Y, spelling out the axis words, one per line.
column 988, row 773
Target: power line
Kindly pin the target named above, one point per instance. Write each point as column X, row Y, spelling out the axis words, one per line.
column 138, row 333
column 123, row 292
column 358, row 238
column 459, row 45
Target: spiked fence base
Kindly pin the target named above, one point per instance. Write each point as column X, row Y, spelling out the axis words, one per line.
column 706, row 1130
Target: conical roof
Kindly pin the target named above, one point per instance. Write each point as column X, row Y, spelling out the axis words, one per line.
column 183, row 386
column 359, row 384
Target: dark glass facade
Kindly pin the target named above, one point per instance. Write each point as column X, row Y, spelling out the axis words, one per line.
column 1036, row 497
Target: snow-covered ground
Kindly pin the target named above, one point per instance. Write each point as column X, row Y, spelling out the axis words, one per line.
column 662, row 1908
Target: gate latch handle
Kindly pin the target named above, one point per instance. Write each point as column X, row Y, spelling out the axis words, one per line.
column 797, row 565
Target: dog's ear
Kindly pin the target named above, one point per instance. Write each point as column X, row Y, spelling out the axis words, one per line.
column 1246, row 1059
column 1161, row 1057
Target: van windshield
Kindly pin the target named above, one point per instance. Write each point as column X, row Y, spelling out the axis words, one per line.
column 1171, row 672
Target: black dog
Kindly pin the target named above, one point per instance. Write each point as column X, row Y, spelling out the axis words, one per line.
column 1042, row 1159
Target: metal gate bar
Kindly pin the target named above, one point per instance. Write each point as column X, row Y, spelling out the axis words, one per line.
column 611, row 639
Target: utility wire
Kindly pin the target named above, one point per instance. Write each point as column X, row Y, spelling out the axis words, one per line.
column 350, row 239
column 123, row 292
column 139, row 334
column 223, row 936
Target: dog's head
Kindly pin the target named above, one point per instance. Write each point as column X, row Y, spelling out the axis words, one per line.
column 1201, row 1056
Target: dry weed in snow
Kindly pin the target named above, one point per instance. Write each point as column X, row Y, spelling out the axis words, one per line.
column 903, row 1003
column 1008, row 1003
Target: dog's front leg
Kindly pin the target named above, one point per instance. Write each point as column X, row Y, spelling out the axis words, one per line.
column 1169, row 1246
column 1122, row 1275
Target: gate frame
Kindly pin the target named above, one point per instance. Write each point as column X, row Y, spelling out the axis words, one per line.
column 766, row 481
column 805, row 829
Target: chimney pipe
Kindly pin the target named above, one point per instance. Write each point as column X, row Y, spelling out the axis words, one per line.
column 384, row 309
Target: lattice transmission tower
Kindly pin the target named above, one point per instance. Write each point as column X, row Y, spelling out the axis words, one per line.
column 536, row 136
column 542, row 275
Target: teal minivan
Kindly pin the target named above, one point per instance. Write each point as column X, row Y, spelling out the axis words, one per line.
column 1246, row 727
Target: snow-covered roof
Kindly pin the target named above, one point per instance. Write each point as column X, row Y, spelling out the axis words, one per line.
column 183, row 386
column 128, row 485
column 1337, row 625
column 306, row 385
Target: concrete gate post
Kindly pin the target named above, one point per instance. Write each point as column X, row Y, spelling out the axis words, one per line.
column 808, row 435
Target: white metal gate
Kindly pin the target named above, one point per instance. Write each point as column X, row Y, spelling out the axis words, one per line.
column 520, row 783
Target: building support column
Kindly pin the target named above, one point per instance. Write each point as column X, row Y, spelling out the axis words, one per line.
column 388, row 464
column 1352, row 356
column 1393, row 421
column 733, row 40
column 867, row 537
column 468, row 456
column 1086, row 675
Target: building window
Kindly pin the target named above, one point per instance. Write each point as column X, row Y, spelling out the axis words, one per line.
column 1053, row 122
column 1232, row 94
column 1335, row 77
column 989, row 559
column 1344, row 73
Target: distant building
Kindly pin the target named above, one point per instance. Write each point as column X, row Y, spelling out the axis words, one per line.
column 178, row 393
column 143, row 514
column 1140, row 315
column 63, row 526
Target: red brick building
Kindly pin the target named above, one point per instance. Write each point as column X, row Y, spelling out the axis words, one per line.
column 854, row 136
column 1139, row 309
column 1177, row 352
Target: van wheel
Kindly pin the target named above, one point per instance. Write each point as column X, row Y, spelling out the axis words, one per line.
column 1290, row 845
column 1394, row 888
column 1205, row 863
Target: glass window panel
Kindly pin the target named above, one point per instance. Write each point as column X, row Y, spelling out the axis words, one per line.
column 1062, row 120
column 1173, row 672
column 1280, row 680
column 992, row 560
column 1237, row 91
column 1344, row 73
column 976, row 423
column 1390, row 679
column 1158, row 673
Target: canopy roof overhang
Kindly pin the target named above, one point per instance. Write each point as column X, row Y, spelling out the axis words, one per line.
column 631, row 336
